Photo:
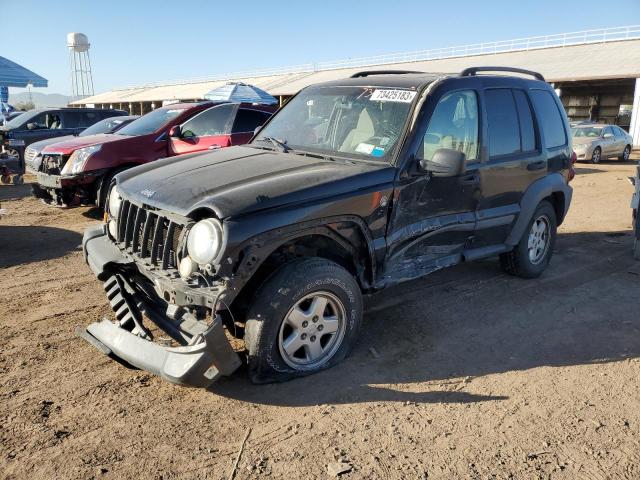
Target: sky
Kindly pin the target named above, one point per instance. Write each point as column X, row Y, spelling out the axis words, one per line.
column 139, row 41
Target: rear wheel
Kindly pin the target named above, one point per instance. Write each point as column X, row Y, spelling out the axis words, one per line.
column 305, row 318
column 6, row 179
column 531, row 256
column 596, row 156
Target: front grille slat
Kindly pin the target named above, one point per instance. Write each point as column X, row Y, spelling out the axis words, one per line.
column 151, row 237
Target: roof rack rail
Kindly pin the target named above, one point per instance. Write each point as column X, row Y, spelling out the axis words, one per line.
column 367, row 73
column 469, row 72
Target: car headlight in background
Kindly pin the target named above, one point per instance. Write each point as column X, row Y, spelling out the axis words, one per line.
column 115, row 200
column 204, row 241
column 79, row 158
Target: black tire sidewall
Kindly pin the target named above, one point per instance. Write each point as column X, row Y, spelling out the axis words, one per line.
column 593, row 160
column 528, row 269
column 272, row 302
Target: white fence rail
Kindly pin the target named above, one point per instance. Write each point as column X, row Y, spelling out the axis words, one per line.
column 603, row 35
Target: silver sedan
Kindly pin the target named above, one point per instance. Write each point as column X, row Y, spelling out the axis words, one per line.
column 595, row 142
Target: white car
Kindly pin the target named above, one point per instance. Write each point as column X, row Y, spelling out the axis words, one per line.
column 595, row 142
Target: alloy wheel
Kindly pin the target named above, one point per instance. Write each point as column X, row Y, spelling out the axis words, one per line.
column 539, row 239
column 312, row 331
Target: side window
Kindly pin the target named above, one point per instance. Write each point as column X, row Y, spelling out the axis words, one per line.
column 503, row 122
column 40, row 121
column 454, row 125
column 618, row 132
column 54, row 120
column 213, row 121
column 549, row 118
column 527, row 132
column 607, row 130
column 249, row 120
column 88, row 118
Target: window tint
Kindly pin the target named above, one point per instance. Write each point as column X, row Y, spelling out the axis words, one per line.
column 213, row 121
column 249, row 120
column 89, row 118
column 151, row 121
column 527, row 132
column 618, row 131
column 454, row 125
column 549, row 118
column 502, row 119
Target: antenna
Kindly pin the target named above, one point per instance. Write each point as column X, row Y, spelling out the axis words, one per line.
column 80, row 66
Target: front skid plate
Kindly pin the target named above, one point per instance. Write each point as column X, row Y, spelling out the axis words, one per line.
column 196, row 365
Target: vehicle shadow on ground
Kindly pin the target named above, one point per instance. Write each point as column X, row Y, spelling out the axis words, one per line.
column 14, row 192
column 470, row 321
column 587, row 171
column 26, row 244
column 94, row 213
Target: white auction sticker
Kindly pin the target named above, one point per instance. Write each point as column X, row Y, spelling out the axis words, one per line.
column 404, row 96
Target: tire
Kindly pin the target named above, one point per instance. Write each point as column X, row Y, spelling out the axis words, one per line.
column 6, row 179
column 103, row 189
column 625, row 154
column 527, row 262
column 18, row 179
column 596, row 156
column 285, row 314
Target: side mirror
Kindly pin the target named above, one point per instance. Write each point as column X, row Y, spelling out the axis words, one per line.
column 607, row 135
column 256, row 130
column 175, row 131
column 445, row 163
column 31, row 126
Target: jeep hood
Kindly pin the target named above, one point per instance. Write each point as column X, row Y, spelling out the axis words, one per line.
column 67, row 147
column 238, row 180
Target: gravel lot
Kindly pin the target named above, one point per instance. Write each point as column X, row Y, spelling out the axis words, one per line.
column 468, row 373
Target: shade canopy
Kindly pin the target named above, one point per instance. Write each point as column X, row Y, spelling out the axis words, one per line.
column 240, row 93
column 14, row 75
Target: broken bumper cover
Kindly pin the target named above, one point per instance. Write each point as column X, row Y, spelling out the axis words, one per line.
column 196, row 365
column 207, row 356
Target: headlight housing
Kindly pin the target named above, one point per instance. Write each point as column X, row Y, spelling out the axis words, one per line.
column 79, row 158
column 204, row 241
column 115, row 200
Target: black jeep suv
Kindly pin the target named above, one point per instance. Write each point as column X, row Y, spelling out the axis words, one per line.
column 353, row 186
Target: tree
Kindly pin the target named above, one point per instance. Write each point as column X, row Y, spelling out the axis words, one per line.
column 24, row 106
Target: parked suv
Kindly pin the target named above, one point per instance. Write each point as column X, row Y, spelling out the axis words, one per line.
column 355, row 185
column 79, row 170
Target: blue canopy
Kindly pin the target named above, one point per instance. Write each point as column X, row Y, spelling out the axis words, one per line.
column 14, row 75
column 240, row 93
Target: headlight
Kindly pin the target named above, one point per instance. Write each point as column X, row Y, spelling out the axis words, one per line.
column 115, row 200
column 78, row 159
column 204, row 241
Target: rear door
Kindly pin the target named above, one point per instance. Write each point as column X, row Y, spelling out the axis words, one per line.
column 515, row 160
column 245, row 124
column 206, row 130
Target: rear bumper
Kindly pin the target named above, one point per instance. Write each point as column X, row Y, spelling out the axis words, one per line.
column 205, row 357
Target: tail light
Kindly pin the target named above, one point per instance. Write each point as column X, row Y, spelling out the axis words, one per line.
column 572, row 172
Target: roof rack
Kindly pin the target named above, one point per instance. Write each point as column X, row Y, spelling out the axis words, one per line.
column 367, row 73
column 469, row 72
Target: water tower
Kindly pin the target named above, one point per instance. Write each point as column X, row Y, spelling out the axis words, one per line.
column 80, row 65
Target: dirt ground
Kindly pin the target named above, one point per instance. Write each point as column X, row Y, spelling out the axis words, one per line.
column 468, row 373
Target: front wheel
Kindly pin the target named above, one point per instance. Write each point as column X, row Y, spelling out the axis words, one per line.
column 625, row 154
column 596, row 156
column 532, row 254
column 304, row 318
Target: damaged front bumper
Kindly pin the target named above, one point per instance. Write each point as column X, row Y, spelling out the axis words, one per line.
column 205, row 353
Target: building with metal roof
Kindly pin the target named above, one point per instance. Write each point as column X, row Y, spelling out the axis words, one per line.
column 596, row 73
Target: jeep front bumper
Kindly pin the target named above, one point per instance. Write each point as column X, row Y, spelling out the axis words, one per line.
column 207, row 355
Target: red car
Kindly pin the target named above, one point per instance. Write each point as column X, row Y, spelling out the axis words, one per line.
column 78, row 171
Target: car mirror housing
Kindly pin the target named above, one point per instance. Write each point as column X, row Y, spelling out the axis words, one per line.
column 31, row 126
column 175, row 131
column 445, row 162
column 607, row 135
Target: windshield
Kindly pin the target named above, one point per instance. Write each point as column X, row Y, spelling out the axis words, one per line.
column 586, row 132
column 358, row 122
column 107, row 125
column 150, row 122
column 21, row 119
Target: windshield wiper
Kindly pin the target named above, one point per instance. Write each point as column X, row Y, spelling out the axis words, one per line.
column 279, row 144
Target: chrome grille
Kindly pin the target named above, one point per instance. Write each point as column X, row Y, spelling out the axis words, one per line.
column 149, row 236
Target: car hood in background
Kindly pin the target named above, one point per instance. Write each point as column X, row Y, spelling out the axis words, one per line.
column 69, row 146
column 238, row 180
column 38, row 146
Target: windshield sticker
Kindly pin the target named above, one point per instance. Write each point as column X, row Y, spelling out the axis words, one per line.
column 377, row 152
column 365, row 148
column 404, row 96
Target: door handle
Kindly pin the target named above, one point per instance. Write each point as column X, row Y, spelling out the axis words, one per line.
column 537, row 165
column 469, row 179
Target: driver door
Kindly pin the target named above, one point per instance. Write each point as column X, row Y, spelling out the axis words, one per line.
column 434, row 218
column 207, row 130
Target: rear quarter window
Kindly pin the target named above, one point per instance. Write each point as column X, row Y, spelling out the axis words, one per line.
column 549, row 118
